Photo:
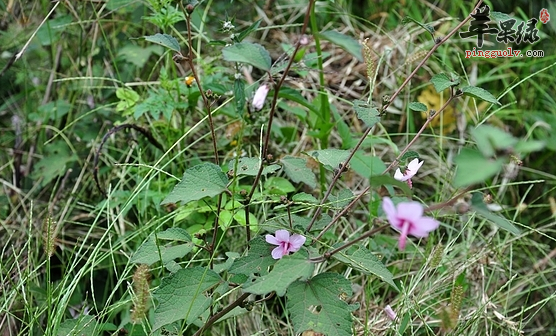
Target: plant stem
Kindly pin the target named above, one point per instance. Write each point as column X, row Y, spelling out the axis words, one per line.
column 221, row 313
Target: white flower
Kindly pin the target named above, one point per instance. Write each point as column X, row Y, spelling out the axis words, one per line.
column 390, row 312
column 260, row 96
column 410, row 171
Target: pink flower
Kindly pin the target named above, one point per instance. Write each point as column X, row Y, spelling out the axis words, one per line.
column 410, row 171
column 286, row 244
column 390, row 312
column 408, row 218
column 260, row 96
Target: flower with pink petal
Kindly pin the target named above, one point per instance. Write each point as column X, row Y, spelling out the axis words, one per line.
column 390, row 312
column 260, row 96
column 407, row 218
column 410, row 171
column 286, row 244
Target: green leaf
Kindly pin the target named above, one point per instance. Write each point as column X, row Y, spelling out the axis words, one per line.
column 148, row 252
column 304, row 198
column 278, row 186
column 287, row 270
column 425, row 26
column 250, row 167
column 250, row 53
column 480, row 93
column 181, row 295
column 385, row 180
column 296, row 169
column 340, row 200
column 316, row 305
column 164, row 40
column 528, row 146
column 367, row 165
column 489, row 139
column 473, row 167
column 330, row 158
column 364, row 261
column 243, row 34
column 369, row 115
column 257, row 260
column 295, row 96
column 443, row 80
column 83, row 325
column 239, row 95
column 53, row 163
column 419, row 107
column 345, row 42
column 204, row 180
column 480, row 207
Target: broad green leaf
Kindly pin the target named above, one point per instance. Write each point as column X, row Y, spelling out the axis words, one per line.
column 367, row 165
column 425, row 26
column 364, row 261
column 473, row 167
column 296, row 169
column 148, row 252
column 295, row 96
column 164, row 40
column 278, row 186
column 204, row 180
column 181, row 295
column 287, row 270
column 480, row 93
column 316, row 305
column 257, row 260
column 443, row 80
column 53, row 163
column 83, row 325
column 345, row 42
column 304, row 198
column 419, row 107
column 528, row 146
column 330, row 158
column 490, row 138
column 386, row 180
column 250, row 53
column 250, row 167
column 480, row 207
column 232, row 257
column 368, row 114
column 239, row 95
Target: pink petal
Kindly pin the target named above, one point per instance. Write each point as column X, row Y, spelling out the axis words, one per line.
column 278, row 252
column 390, row 312
column 413, row 167
column 423, row 226
column 296, row 241
column 410, row 211
column 391, row 213
column 272, row 240
column 403, row 236
column 282, row 235
column 260, row 96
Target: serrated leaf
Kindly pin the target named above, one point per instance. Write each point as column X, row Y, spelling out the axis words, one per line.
column 250, row 167
column 204, row 180
column 304, row 198
column 257, row 260
column 489, row 139
column 419, row 107
column 340, row 200
column 250, row 53
column 480, row 207
column 181, row 295
column 345, row 42
column 330, row 158
column 473, row 167
column 148, row 252
column 368, row 114
column 287, row 270
column 443, row 80
column 480, row 93
column 366, row 262
column 316, row 305
column 296, row 169
column 164, row 40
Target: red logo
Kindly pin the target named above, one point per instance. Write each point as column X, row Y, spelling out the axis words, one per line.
column 544, row 16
